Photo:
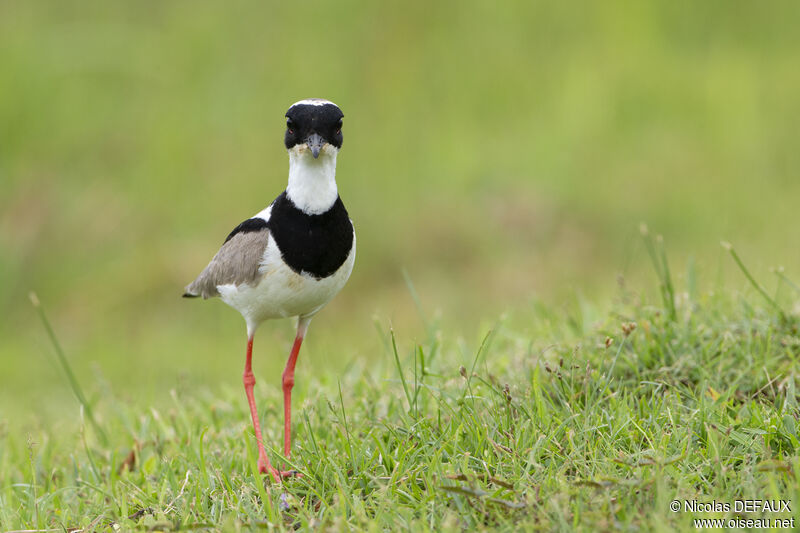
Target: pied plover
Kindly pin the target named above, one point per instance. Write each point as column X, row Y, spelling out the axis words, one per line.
column 293, row 257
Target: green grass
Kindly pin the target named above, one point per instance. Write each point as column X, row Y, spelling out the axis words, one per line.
column 538, row 428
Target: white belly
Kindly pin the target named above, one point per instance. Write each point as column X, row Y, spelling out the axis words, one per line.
column 282, row 292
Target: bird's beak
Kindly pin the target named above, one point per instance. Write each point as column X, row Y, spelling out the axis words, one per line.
column 315, row 142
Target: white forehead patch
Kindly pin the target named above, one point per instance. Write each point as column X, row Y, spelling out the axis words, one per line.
column 313, row 101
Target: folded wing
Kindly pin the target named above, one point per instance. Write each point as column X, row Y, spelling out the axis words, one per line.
column 236, row 262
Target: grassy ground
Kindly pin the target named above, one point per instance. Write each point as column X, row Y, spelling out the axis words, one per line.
column 544, row 428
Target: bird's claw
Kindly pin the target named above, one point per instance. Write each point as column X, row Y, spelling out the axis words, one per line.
column 277, row 475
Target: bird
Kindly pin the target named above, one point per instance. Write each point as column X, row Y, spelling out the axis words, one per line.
column 291, row 258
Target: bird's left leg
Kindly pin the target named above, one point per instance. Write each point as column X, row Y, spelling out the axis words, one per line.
column 249, row 380
column 288, row 383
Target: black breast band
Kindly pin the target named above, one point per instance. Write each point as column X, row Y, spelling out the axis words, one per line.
column 313, row 244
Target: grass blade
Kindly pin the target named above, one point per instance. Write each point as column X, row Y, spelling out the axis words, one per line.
column 62, row 359
column 400, row 369
column 430, row 325
column 786, row 280
column 346, row 429
column 669, row 290
column 729, row 247
column 485, row 343
column 659, row 258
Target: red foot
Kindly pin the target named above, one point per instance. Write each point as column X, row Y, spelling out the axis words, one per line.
column 290, row 473
column 277, row 475
column 266, row 468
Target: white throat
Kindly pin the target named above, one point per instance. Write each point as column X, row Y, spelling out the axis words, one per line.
column 312, row 182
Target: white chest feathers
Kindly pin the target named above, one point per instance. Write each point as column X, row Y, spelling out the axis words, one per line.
column 281, row 292
column 312, row 182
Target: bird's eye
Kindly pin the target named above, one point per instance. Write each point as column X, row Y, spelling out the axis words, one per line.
column 339, row 127
column 290, row 125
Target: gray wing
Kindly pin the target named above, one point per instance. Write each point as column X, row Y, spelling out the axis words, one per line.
column 236, row 262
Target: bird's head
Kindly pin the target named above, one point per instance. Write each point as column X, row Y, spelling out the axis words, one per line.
column 314, row 127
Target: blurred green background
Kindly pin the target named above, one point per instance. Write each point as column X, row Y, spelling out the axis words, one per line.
column 502, row 154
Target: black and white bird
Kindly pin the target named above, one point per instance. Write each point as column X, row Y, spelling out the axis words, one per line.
column 294, row 256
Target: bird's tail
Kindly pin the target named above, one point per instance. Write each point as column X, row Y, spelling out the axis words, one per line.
column 189, row 292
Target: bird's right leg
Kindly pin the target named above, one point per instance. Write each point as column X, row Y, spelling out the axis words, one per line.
column 249, row 380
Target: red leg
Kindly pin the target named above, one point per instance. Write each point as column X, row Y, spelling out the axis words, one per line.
column 288, row 383
column 249, row 380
